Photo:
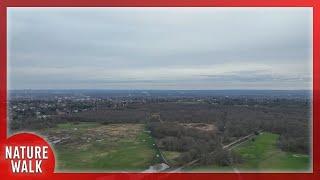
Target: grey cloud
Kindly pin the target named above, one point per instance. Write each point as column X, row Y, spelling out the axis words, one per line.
column 142, row 39
column 256, row 76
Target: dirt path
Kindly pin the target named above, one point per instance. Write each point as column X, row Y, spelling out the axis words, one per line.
column 229, row 147
column 237, row 142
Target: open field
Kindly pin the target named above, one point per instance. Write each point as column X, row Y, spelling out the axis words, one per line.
column 201, row 126
column 262, row 154
column 96, row 147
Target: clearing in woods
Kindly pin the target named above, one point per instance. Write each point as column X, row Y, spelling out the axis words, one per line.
column 262, row 154
column 96, row 147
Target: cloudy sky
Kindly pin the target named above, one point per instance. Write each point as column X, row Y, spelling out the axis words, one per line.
column 160, row 48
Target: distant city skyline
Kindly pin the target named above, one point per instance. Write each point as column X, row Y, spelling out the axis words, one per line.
column 160, row 48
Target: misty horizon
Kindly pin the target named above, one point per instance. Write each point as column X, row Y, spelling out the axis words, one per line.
column 162, row 89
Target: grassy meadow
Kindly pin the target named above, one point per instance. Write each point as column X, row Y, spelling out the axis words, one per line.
column 262, row 154
column 96, row 147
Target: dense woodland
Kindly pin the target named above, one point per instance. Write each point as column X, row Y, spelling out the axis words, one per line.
column 233, row 118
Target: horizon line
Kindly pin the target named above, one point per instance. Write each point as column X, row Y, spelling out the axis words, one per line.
column 231, row 89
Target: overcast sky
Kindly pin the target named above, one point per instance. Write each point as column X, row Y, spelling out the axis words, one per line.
column 160, row 48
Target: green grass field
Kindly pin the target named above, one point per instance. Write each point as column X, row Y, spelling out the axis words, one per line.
column 263, row 155
column 128, row 147
column 96, row 147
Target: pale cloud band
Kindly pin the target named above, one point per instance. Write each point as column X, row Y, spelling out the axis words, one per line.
column 160, row 48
